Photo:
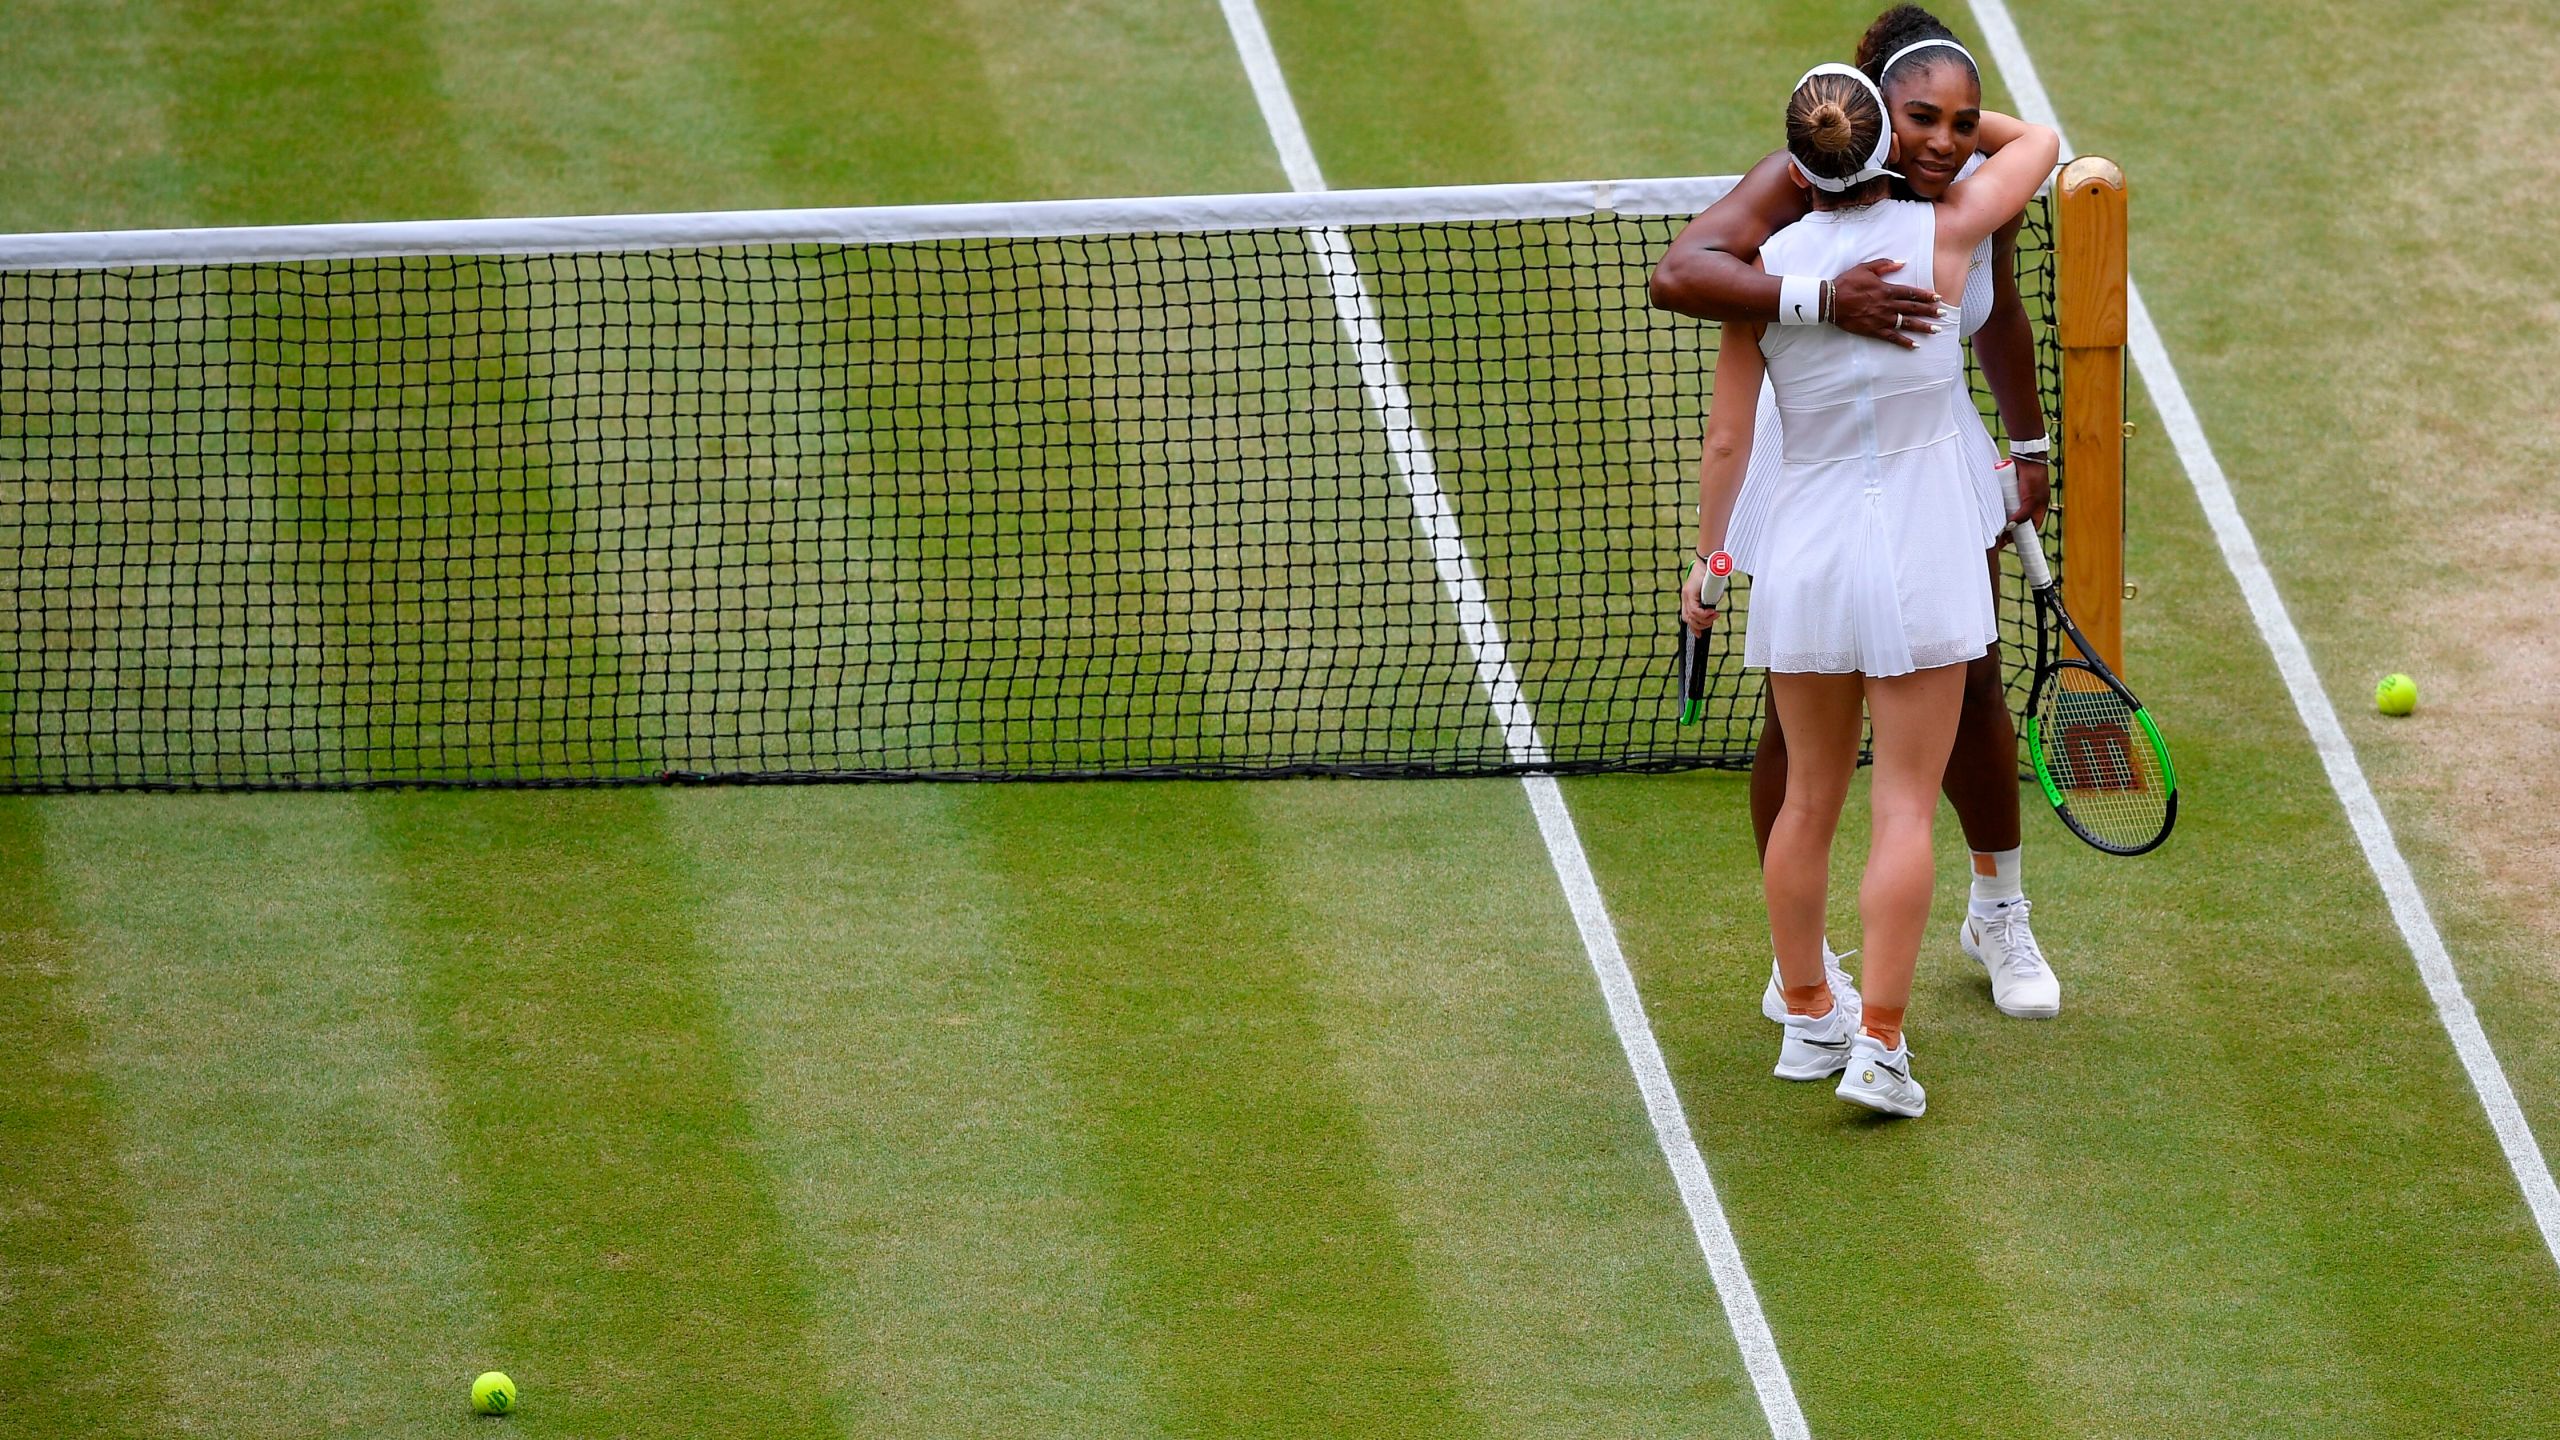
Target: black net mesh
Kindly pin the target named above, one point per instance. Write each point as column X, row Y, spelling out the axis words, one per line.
column 1104, row 506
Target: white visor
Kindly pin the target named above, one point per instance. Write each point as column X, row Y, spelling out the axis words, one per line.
column 1875, row 165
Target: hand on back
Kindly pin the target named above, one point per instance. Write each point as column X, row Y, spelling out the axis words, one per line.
column 1863, row 302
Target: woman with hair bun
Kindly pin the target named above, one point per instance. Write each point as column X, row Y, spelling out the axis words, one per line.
column 1869, row 597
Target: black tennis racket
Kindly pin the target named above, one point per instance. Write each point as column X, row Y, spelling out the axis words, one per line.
column 2096, row 751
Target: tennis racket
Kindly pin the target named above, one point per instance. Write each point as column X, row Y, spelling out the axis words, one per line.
column 2096, row 752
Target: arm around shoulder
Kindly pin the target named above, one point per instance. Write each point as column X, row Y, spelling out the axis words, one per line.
column 1988, row 198
column 1708, row 273
column 1993, row 131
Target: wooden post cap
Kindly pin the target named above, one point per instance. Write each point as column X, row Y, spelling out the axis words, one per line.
column 2090, row 204
column 2087, row 170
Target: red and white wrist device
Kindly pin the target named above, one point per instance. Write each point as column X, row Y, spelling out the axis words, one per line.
column 1719, row 565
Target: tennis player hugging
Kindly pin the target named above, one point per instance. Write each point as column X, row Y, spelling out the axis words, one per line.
column 1869, row 596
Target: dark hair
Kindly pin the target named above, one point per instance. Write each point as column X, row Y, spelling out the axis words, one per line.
column 1908, row 25
column 1832, row 125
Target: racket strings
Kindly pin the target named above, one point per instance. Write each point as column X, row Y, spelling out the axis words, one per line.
column 2102, row 760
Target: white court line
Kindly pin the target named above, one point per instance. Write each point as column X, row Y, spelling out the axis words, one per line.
column 2293, row 662
column 1383, row 382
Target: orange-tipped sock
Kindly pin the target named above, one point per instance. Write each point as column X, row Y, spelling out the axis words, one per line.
column 1996, row 881
column 1883, row 1022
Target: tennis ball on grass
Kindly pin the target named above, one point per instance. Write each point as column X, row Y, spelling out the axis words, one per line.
column 2396, row 695
column 493, row 1393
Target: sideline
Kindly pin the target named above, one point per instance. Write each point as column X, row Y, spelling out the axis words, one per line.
column 2293, row 661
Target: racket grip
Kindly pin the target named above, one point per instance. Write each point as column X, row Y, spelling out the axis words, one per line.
column 2023, row 535
column 2030, row 548
column 1693, row 674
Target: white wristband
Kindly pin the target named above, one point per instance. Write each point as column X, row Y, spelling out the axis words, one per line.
column 2035, row 449
column 1799, row 300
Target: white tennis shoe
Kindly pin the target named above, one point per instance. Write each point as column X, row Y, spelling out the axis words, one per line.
column 1844, row 991
column 2022, row 984
column 1880, row 1079
column 1816, row 1047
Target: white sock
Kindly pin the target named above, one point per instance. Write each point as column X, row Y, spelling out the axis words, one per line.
column 2001, row 886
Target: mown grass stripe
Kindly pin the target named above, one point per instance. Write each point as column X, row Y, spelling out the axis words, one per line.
column 1646, row 87
column 281, row 1130
column 89, row 149
column 870, row 102
column 1269, row 1286
column 2232, row 532
column 611, row 107
column 287, row 111
column 1341, row 58
column 1117, row 97
column 1561, row 1270
column 641, row 1277
column 79, row 1328
column 921, row 1144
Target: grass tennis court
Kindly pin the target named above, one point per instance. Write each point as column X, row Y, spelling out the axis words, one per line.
column 1290, row 1108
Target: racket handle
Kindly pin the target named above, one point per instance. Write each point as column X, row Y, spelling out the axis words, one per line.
column 2030, row 547
column 1693, row 674
column 2023, row 535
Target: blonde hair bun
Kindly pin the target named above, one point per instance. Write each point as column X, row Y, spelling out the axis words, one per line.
column 1831, row 131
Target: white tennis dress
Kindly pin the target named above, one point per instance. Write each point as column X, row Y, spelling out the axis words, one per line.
column 1752, row 505
column 1864, row 544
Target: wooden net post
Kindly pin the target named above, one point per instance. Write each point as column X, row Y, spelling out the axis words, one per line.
column 2090, row 325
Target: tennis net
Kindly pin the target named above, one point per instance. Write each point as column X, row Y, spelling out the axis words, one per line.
column 1367, row 483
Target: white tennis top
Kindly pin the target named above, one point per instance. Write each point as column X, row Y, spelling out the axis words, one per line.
column 1867, row 541
column 1749, row 507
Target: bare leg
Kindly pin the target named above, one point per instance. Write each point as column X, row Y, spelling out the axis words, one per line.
column 1768, row 773
column 1982, row 773
column 1915, row 728
column 1982, row 769
column 1821, row 714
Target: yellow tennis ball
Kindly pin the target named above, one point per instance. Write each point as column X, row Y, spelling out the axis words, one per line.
column 2396, row 695
column 493, row 1393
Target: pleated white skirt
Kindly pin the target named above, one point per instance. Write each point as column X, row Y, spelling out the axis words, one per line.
column 1871, row 567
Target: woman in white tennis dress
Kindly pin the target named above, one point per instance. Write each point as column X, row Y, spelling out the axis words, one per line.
column 1869, row 593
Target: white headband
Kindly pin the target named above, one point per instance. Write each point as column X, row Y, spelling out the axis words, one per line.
column 1884, row 135
column 1887, row 67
